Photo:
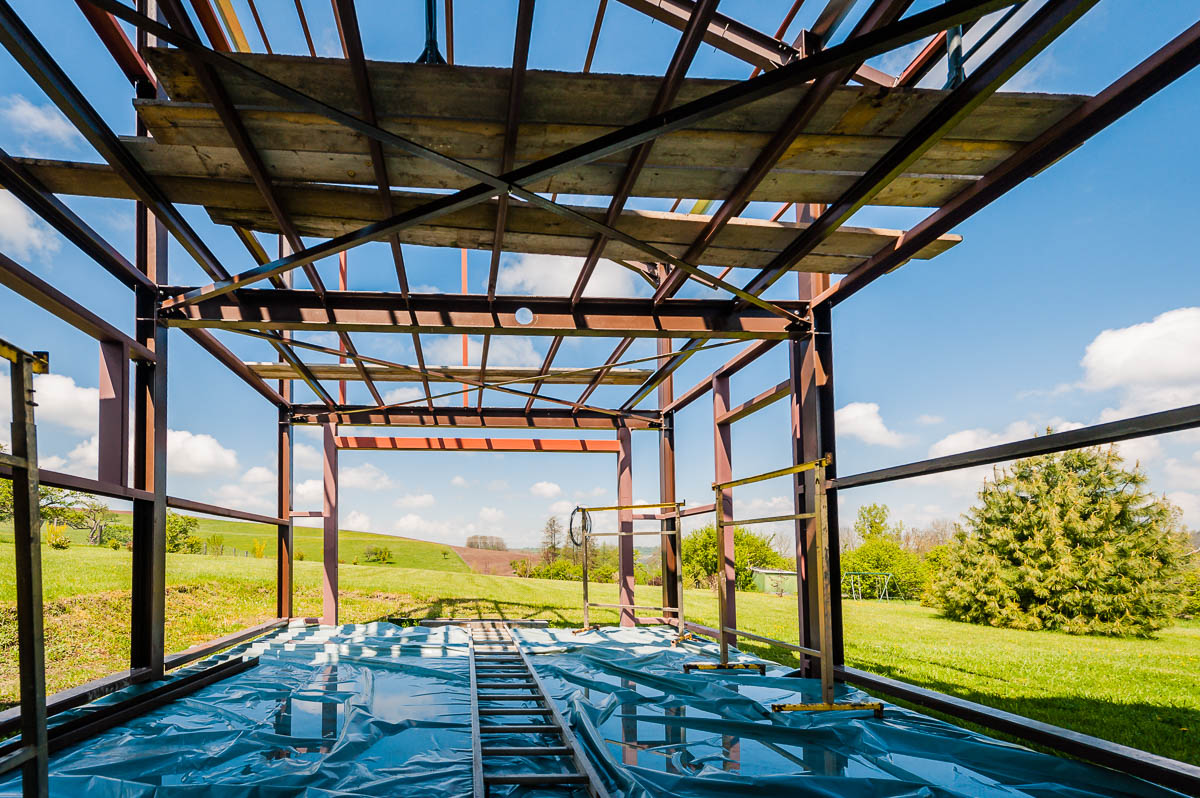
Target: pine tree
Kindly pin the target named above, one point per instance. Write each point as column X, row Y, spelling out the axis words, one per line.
column 1068, row 541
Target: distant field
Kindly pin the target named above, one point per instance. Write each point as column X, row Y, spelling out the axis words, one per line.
column 309, row 544
column 1143, row 693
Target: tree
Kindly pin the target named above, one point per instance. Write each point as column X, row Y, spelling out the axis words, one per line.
column 551, row 540
column 750, row 550
column 181, row 537
column 881, row 553
column 89, row 514
column 922, row 540
column 1068, row 541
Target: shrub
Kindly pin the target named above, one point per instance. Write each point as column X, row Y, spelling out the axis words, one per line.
column 561, row 569
column 379, row 554
column 881, row 552
column 216, row 545
column 751, row 550
column 57, row 538
column 1068, row 541
column 1191, row 593
column 181, row 538
column 299, row 555
column 520, row 567
column 115, row 545
column 260, row 548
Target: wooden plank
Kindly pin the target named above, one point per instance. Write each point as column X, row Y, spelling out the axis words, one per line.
column 347, row 371
column 331, row 210
column 530, row 445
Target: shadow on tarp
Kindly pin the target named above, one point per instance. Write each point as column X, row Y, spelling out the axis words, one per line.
column 382, row 710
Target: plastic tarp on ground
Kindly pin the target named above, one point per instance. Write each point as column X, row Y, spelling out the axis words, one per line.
column 383, row 710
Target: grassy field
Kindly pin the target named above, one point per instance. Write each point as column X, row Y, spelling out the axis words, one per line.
column 308, row 543
column 1137, row 692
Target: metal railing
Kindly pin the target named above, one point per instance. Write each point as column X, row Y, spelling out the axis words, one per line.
column 588, row 534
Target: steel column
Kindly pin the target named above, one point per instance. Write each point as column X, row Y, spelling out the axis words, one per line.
column 723, row 472
column 283, row 551
column 113, row 433
column 27, row 522
column 827, row 446
column 329, row 582
column 625, row 551
column 666, row 493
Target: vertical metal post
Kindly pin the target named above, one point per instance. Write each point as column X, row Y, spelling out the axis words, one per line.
column 669, row 543
column 625, row 524
column 284, row 549
column 954, row 57
column 31, row 651
column 804, row 374
column 723, row 472
column 113, row 434
column 148, row 610
column 823, row 325
column 284, row 554
column 678, row 536
column 329, row 582
column 722, row 591
column 587, row 542
column 824, row 576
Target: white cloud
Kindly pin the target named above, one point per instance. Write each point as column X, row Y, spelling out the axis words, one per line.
column 307, row 457
column 308, row 495
column 254, row 491
column 36, row 122
column 415, row 526
column 555, row 275
column 862, row 420
column 1153, row 364
column 364, row 477
column 415, row 500
column 61, row 401
column 562, row 507
column 192, row 453
column 459, row 481
column 547, row 490
column 405, row 393
column 85, row 456
column 504, row 350
column 360, row 522
column 1189, row 503
column 259, row 475
column 22, row 234
column 968, row 439
column 491, row 515
column 1184, row 473
column 927, row 420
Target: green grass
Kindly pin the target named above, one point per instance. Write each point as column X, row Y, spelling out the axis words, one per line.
column 308, row 543
column 1143, row 693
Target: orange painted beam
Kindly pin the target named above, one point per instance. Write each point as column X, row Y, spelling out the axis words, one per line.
column 569, row 445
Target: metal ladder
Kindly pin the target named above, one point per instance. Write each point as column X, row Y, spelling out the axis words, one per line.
column 501, row 675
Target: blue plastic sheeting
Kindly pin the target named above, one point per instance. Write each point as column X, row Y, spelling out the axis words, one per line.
column 380, row 710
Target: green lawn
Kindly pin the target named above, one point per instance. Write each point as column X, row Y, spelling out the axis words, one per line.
column 1143, row 693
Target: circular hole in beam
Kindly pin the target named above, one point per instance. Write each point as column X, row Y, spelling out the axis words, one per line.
column 524, row 316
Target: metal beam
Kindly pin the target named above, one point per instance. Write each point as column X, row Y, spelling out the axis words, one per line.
column 1158, row 769
column 1175, row 59
column 1038, row 32
column 1111, row 432
column 753, row 405
column 448, row 374
column 523, row 445
column 365, row 311
column 484, row 417
column 855, row 50
column 722, row 32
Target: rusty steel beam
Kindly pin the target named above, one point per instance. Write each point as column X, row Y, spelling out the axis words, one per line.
column 753, row 405
column 1168, row 64
column 1038, row 32
column 448, row 374
column 722, row 32
column 526, row 445
column 916, row 26
column 689, row 42
column 472, row 417
column 453, row 314
column 117, row 43
column 231, row 120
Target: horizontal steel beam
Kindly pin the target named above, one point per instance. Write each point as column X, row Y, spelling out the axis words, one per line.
column 767, row 397
column 49, row 298
column 10, row 719
column 1168, row 772
column 1111, row 432
column 202, row 650
column 377, row 311
column 724, row 33
column 531, row 445
column 222, row 512
column 346, row 371
column 472, row 417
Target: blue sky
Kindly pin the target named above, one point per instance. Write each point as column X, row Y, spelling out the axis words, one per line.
column 1072, row 300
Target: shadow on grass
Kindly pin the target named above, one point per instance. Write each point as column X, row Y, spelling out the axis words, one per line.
column 479, row 608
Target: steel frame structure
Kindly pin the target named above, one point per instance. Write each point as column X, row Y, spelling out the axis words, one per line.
column 273, row 314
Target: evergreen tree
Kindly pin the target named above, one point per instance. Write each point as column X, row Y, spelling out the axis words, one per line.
column 1068, row 541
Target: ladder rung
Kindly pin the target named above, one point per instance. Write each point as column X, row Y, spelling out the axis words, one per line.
column 510, row 697
column 514, row 711
column 526, row 750
column 482, row 685
column 500, row 670
column 535, row 778
column 520, row 728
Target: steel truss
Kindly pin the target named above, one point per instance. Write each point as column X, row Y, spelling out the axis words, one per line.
column 741, row 312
